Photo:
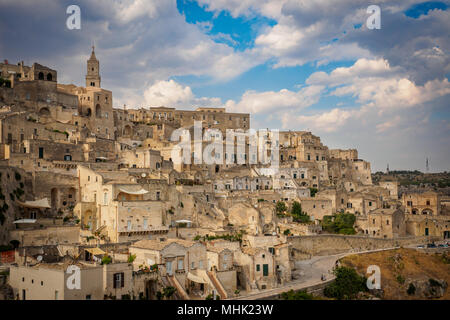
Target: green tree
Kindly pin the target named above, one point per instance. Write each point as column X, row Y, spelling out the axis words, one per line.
column 346, row 285
column 280, row 207
column 296, row 208
column 341, row 223
column 313, row 191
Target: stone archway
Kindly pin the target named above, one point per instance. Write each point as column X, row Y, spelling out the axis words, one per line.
column 44, row 112
column 127, row 131
column 427, row 211
column 98, row 111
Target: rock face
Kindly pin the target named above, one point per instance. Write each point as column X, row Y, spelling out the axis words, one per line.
column 429, row 289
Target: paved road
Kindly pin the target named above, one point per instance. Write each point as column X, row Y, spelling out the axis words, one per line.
column 309, row 273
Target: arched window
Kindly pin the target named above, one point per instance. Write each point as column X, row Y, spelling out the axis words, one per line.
column 49, row 77
column 41, row 76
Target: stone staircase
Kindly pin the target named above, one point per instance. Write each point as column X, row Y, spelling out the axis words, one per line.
column 217, row 285
column 181, row 292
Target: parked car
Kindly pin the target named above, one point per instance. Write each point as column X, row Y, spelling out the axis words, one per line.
column 431, row 245
column 421, row 246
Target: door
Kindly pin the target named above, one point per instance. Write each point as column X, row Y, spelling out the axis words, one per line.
column 426, row 231
column 265, row 270
column 24, row 294
column 169, row 267
column 41, row 153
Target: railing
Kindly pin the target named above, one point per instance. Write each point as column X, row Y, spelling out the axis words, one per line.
column 161, row 228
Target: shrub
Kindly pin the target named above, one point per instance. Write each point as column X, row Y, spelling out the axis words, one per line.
column 18, row 176
column 434, row 283
column 346, row 285
column 313, row 191
column 280, row 207
column 154, row 267
column 287, row 232
column 106, row 259
column 341, row 223
column 299, row 295
column 400, row 279
column 169, row 291
column 296, row 209
column 131, row 258
column 411, row 289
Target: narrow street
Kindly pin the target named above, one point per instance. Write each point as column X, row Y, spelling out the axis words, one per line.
column 308, row 274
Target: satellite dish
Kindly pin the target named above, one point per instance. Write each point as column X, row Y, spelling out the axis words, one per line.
column 39, row 258
column 143, row 175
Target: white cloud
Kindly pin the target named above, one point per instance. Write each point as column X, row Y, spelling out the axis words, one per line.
column 172, row 94
column 268, row 101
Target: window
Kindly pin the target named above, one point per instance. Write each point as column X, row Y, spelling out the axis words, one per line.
column 88, row 297
column 180, row 264
column 145, row 223
column 258, row 268
column 193, row 265
column 56, row 294
column 118, row 280
column 265, row 270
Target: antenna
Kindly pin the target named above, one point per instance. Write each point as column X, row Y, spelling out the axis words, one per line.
column 427, row 164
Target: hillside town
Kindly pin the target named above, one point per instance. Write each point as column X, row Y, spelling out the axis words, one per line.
column 155, row 202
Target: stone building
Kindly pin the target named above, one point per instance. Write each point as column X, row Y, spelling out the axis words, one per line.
column 382, row 223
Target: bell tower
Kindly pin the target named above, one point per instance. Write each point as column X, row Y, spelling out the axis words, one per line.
column 93, row 78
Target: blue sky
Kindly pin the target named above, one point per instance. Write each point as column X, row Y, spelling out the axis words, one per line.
column 294, row 65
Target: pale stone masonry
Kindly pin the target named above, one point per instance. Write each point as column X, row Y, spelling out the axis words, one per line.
column 81, row 175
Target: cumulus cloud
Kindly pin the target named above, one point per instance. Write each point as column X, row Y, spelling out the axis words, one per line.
column 137, row 42
column 380, row 92
column 323, row 31
column 172, row 94
column 268, row 101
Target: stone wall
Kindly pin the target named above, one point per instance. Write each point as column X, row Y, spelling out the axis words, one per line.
column 304, row 247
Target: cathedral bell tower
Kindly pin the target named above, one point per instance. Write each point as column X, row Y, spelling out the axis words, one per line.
column 93, row 71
